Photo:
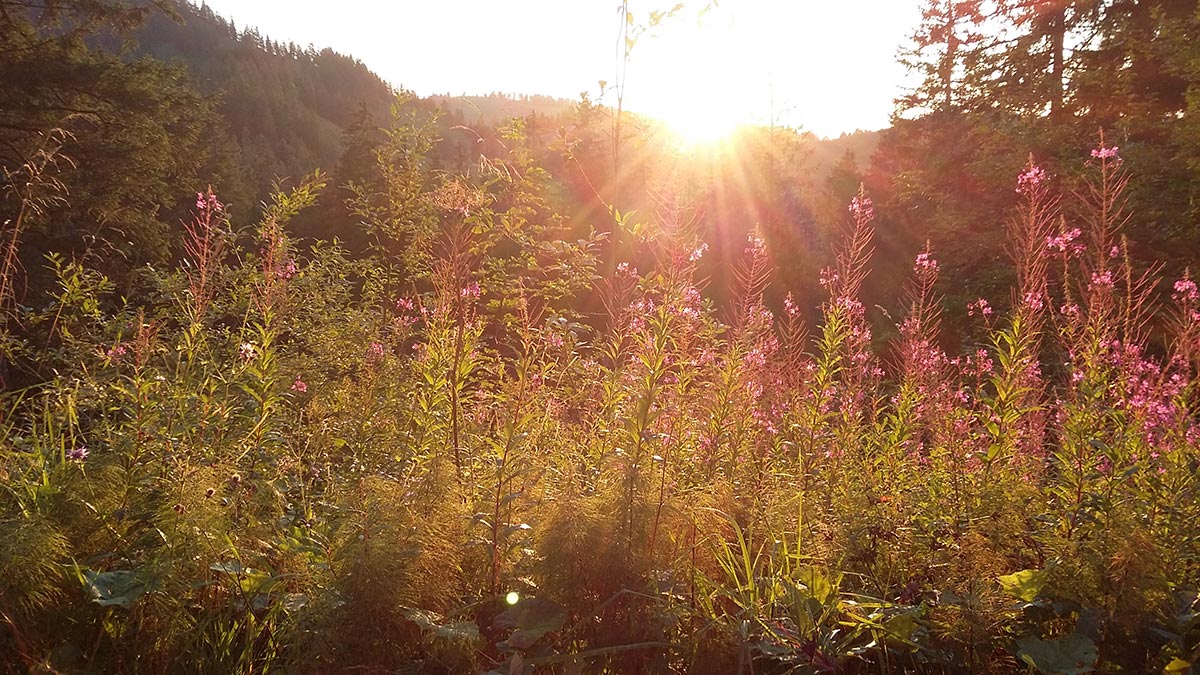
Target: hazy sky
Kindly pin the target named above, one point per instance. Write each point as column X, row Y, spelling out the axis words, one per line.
column 824, row 65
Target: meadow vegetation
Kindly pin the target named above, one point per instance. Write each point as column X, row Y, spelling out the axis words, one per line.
column 429, row 459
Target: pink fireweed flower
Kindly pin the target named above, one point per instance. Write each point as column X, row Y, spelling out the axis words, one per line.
column 1185, row 290
column 1030, row 179
column 470, row 291
column 405, row 305
column 377, row 349
column 829, row 278
column 116, row 352
column 925, row 263
column 981, row 307
column 1106, row 153
column 755, row 245
column 698, row 253
column 299, row 386
column 208, row 202
column 1065, row 242
column 247, row 351
column 1102, row 279
column 287, row 270
column 862, row 208
column 789, row 305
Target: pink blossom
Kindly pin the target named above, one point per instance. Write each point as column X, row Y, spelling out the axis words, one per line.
column 698, row 253
column 1185, row 290
column 470, row 291
column 1102, row 279
column 377, row 349
column 208, row 202
column 299, row 385
column 287, row 270
column 1106, row 153
column 1030, row 179
column 1065, row 242
column 789, row 305
column 756, row 245
column 925, row 263
column 1033, row 300
column 862, row 209
column 981, row 306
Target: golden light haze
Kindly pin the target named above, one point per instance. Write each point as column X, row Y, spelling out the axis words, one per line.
column 827, row 67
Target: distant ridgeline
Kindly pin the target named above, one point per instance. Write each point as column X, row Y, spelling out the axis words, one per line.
column 493, row 109
column 289, row 106
column 286, row 105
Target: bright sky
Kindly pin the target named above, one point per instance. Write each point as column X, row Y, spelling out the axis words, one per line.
column 827, row 66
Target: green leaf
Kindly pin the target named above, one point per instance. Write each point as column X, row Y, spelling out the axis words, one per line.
column 820, row 587
column 122, row 588
column 1070, row 655
column 1024, row 585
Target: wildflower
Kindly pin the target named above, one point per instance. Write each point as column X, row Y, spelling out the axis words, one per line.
column 626, row 269
column 1106, row 153
column 405, row 305
column 698, row 253
column 1065, row 242
column 247, row 351
column 116, row 352
column 829, row 278
column 1030, row 179
column 757, row 245
column 789, row 305
column 377, row 350
column 299, row 386
column 862, row 209
column 470, row 291
column 925, row 263
column 208, row 202
column 79, row 454
column 1185, row 289
column 1033, row 300
column 287, row 270
column 981, row 306
column 1102, row 279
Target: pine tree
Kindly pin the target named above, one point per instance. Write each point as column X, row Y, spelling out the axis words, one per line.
column 943, row 48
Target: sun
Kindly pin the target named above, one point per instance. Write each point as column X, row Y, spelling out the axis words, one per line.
column 703, row 126
column 699, row 78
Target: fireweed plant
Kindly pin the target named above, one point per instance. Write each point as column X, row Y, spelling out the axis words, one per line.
column 429, row 460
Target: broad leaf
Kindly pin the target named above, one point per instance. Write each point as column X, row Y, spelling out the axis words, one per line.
column 122, row 588
column 1024, row 585
column 1070, row 655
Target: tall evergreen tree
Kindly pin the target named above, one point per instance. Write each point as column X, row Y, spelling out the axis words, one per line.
column 942, row 51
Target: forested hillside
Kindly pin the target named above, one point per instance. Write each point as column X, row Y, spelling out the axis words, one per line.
column 302, row 373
